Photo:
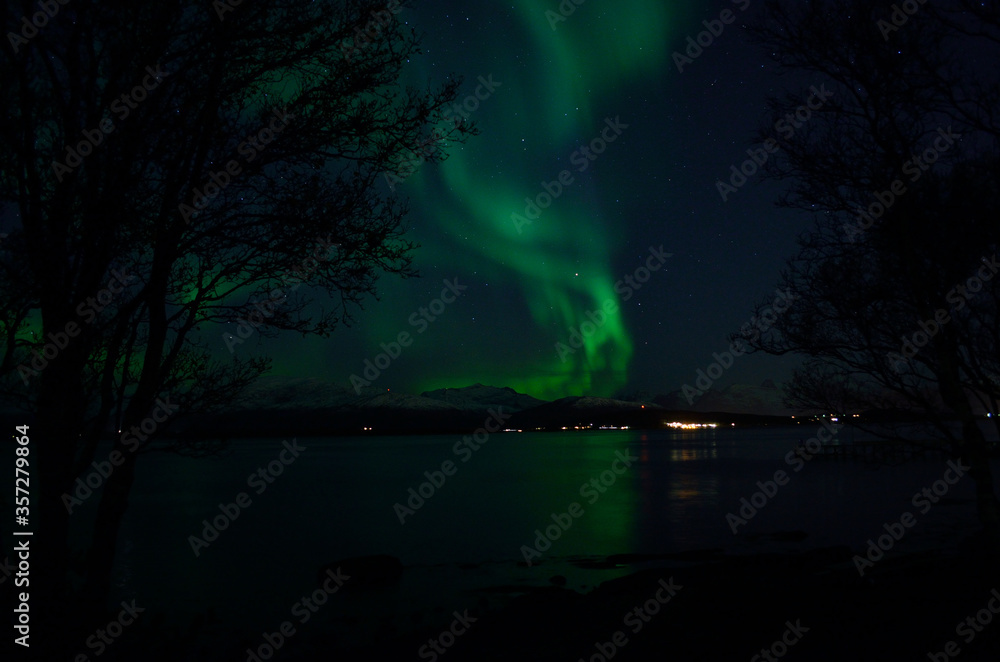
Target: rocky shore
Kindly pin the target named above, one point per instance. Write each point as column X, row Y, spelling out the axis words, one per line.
column 708, row 606
column 701, row 605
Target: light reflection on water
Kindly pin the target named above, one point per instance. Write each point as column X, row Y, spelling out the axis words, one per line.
column 708, row 452
column 688, row 487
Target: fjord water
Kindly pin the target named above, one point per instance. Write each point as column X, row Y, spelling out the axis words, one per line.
column 337, row 498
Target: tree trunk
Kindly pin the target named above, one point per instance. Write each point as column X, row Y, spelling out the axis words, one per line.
column 973, row 450
column 111, row 511
column 975, row 454
column 53, row 438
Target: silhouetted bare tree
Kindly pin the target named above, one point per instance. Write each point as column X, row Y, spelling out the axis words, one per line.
column 898, row 286
column 169, row 166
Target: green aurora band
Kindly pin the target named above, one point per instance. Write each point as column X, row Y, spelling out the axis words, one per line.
column 561, row 262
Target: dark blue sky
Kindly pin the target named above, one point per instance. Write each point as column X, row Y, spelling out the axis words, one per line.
column 552, row 88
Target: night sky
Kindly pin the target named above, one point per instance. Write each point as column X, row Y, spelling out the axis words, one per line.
column 529, row 284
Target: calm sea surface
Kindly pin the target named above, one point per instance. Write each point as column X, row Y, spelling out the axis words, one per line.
column 336, row 500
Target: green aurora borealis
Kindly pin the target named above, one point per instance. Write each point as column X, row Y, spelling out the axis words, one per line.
column 588, row 59
column 654, row 185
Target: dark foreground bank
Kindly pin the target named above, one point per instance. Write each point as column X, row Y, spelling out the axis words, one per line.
column 940, row 605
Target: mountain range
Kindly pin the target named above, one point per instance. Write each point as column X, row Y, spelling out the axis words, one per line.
column 294, row 405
